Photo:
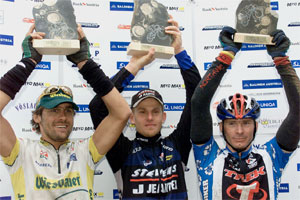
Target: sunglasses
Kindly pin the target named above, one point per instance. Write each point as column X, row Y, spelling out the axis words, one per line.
column 53, row 90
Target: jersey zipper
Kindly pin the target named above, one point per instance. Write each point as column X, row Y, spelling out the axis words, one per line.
column 58, row 161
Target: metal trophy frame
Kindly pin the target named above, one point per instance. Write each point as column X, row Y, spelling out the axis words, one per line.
column 56, row 18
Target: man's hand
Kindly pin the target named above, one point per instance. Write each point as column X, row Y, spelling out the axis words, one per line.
column 226, row 39
column 282, row 44
column 28, row 50
column 174, row 30
column 83, row 54
column 138, row 62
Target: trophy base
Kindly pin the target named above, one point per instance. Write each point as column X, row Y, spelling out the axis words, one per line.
column 56, row 46
column 139, row 49
column 253, row 38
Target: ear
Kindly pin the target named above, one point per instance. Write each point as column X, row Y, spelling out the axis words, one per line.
column 37, row 118
column 164, row 117
column 131, row 118
column 221, row 127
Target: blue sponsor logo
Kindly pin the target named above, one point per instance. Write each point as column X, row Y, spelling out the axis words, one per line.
column 207, row 65
column 298, row 167
column 293, row 24
column 213, row 28
column 119, row 46
column 7, row 40
column 6, row 198
column 98, row 172
column 115, row 194
column 120, row 65
column 174, row 106
column 169, row 66
column 43, row 65
column 267, row 104
column 10, row 0
column 253, row 47
column 284, row 188
column 89, row 25
column 261, row 65
column 274, row 5
column 136, row 86
column 262, row 84
column 295, row 63
column 83, row 108
column 121, row 6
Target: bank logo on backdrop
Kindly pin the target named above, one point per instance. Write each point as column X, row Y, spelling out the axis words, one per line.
column 7, row 40
column 261, row 65
column 85, row 4
column 174, row 106
column 262, row 84
column 284, row 188
column 43, row 65
column 121, row 6
column 83, row 108
column 267, row 103
column 136, row 86
column 169, row 66
column 207, row 65
column 214, row 9
column 89, row 25
column 253, row 47
column 294, row 24
column 274, row 5
column 295, row 63
column 213, row 28
column 120, row 64
column 119, row 46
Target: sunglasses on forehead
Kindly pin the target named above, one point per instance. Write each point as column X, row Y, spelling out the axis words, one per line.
column 53, row 90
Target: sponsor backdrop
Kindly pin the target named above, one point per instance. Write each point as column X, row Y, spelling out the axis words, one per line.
column 107, row 24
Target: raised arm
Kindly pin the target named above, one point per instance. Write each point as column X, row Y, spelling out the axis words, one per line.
column 201, row 128
column 288, row 134
column 11, row 83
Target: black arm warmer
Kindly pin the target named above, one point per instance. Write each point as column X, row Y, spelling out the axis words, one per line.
column 98, row 110
column 201, row 128
column 16, row 77
column 100, row 83
column 288, row 134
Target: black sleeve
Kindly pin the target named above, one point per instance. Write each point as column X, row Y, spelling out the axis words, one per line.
column 201, row 128
column 181, row 135
column 288, row 133
column 98, row 110
column 118, row 154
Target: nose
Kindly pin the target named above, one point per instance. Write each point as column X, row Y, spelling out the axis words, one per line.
column 149, row 116
column 239, row 128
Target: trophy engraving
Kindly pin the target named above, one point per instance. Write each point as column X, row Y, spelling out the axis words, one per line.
column 148, row 30
column 255, row 20
column 56, row 18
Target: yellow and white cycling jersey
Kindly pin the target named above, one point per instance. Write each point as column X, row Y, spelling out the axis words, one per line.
column 39, row 171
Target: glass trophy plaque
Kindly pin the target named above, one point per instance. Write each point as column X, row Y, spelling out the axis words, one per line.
column 255, row 20
column 56, row 18
column 148, row 30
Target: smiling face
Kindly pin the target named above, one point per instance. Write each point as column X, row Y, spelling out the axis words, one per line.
column 239, row 133
column 148, row 117
column 56, row 124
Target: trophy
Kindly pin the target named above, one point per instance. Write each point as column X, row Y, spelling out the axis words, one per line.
column 148, row 30
column 56, row 18
column 255, row 21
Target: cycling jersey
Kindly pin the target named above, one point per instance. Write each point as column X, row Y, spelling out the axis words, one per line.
column 224, row 175
column 39, row 171
column 152, row 168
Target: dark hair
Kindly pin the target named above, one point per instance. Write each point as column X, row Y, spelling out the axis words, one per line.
column 36, row 126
